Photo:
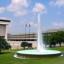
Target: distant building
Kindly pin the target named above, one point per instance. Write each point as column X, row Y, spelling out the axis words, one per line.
column 22, row 37
column 16, row 40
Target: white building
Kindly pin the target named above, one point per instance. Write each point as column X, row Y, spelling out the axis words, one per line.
column 16, row 40
column 3, row 27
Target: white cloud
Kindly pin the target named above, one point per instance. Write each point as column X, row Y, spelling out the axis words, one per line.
column 20, row 2
column 21, row 13
column 33, row 24
column 59, row 3
column 18, row 7
column 58, row 25
column 6, row 18
column 39, row 8
column 2, row 9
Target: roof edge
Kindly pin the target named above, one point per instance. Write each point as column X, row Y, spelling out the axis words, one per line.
column 4, row 20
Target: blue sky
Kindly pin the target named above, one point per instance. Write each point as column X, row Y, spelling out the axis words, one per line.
column 20, row 12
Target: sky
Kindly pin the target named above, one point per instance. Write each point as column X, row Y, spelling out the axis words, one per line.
column 25, row 12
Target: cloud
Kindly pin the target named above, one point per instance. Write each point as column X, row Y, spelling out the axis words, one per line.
column 2, row 9
column 59, row 3
column 21, row 13
column 6, row 18
column 58, row 25
column 33, row 24
column 18, row 7
column 39, row 8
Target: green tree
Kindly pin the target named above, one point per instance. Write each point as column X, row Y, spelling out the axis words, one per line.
column 49, row 39
column 54, row 38
column 60, row 37
column 3, row 44
column 24, row 44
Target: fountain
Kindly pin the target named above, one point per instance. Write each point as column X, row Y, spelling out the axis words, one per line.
column 41, row 51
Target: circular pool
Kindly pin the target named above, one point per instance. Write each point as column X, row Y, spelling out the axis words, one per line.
column 36, row 53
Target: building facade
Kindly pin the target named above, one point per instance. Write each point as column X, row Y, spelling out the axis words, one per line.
column 3, row 28
column 16, row 40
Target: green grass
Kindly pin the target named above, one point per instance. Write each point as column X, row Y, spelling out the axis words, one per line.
column 7, row 58
column 57, row 48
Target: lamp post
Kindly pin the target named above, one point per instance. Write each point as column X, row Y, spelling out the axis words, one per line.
column 25, row 31
column 29, row 31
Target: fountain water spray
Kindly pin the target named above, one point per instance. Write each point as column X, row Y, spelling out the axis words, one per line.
column 40, row 44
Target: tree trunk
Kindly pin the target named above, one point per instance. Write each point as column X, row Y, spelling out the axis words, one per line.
column 24, row 48
column 50, row 46
column 0, row 50
column 60, row 44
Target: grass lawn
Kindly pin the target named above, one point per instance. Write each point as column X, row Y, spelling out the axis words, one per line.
column 7, row 58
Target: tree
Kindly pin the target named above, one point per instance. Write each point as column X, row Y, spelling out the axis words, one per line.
column 3, row 44
column 48, row 39
column 54, row 38
column 29, row 45
column 61, row 37
column 24, row 44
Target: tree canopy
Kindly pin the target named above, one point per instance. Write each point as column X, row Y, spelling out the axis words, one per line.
column 25, row 44
column 54, row 38
column 3, row 44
